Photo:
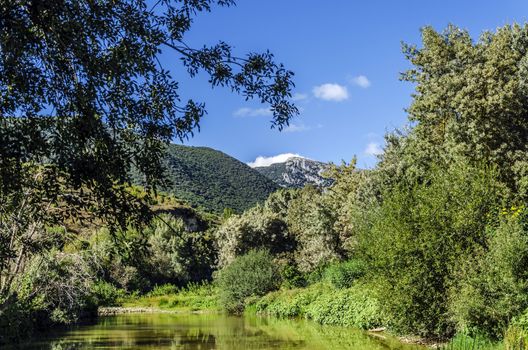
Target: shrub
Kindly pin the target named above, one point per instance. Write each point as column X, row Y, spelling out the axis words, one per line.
column 176, row 255
column 422, row 234
column 344, row 274
column 55, row 288
column 346, row 307
column 316, row 275
column 164, row 252
column 164, row 289
column 292, row 277
column 325, row 305
column 105, row 294
column 253, row 274
column 516, row 336
column 257, row 228
column 128, row 277
column 311, row 222
column 15, row 321
column 493, row 287
column 288, row 303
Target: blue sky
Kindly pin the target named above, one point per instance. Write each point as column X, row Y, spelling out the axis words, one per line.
column 346, row 56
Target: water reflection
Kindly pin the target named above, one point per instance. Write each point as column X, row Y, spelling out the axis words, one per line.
column 207, row 331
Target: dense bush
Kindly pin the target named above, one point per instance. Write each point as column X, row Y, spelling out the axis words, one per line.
column 292, row 277
column 494, row 285
column 164, row 252
column 253, row 274
column 421, row 235
column 175, row 255
column 326, row 305
column 16, row 320
column 344, row 274
column 257, row 228
column 347, row 307
column 58, row 286
column 105, row 294
column 311, row 222
column 288, row 302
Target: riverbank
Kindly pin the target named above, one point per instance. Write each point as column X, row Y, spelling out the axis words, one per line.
column 321, row 303
column 194, row 298
column 119, row 310
column 352, row 307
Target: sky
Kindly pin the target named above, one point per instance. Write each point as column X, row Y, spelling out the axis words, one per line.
column 347, row 60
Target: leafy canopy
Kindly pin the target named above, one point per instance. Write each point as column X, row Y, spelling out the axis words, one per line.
column 82, row 89
column 84, row 99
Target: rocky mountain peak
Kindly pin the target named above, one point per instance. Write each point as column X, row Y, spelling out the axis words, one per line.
column 296, row 172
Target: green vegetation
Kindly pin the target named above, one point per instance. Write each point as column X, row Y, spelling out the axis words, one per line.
column 344, row 274
column 325, row 305
column 124, row 268
column 432, row 242
column 194, row 297
column 465, row 342
column 250, row 275
column 76, row 118
column 213, row 180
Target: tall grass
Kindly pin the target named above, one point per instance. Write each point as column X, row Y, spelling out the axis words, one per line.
column 194, row 297
column 516, row 338
column 465, row 342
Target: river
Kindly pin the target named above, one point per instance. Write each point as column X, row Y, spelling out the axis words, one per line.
column 209, row 331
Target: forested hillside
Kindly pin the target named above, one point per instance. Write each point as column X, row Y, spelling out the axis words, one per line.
column 213, row 180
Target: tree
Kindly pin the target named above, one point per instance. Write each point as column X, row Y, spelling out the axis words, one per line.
column 84, row 98
column 311, row 222
column 470, row 100
column 421, row 236
column 256, row 228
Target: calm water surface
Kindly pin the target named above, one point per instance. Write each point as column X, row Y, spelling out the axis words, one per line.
column 206, row 331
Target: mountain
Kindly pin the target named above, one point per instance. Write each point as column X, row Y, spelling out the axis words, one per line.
column 211, row 179
column 296, row 172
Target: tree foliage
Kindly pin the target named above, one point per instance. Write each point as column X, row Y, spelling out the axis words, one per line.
column 420, row 236
column 83, row 91
column 251, row 275
column 470, row 98
column 257, row 228
column 84, row 97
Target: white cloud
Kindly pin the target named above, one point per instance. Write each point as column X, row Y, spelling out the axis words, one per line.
column 299, row 97
column 361, row 81
column 252, row 112
column 331, row 92
column 296, row 128
column 373, row 149
column 267, row 161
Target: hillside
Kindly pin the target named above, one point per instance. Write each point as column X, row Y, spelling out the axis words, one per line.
column 296, row 172
column 210, row 179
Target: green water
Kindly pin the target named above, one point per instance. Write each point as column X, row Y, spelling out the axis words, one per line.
column 206, row 331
